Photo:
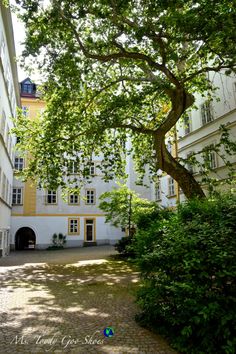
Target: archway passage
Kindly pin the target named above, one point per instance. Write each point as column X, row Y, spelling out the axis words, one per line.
column 25, row 239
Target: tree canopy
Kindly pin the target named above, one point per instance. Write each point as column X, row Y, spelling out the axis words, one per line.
column 120, row 70
column 123, row 206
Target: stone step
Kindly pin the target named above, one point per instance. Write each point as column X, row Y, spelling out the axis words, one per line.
column 89, row 244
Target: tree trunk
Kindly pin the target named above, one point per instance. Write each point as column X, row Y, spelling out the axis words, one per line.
column 186, row 181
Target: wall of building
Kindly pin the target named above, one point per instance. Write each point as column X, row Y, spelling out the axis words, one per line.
column 45, row 226
column 223, row 107
column 9, row 100
column 46, row 219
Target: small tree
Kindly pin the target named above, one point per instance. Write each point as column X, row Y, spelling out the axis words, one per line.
column 123, row 206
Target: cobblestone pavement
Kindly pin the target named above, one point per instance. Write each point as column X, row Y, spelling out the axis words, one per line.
column 61, row 301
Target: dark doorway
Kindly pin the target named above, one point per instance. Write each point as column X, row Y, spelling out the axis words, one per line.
column 25, row 239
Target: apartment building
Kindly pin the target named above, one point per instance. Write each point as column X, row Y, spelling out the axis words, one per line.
column 9, row 100
column 199, row 130
column 38, row 213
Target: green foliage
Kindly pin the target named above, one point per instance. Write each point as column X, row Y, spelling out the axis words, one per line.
column 116, row 71
column 189, row 276
column 123, row 206
column 125, row 246
column 150, row 228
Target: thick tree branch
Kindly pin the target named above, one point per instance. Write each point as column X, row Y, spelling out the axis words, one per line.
column 123, row 54
column 208, row 69
column 180, row 102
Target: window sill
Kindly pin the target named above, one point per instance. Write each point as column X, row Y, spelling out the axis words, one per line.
column 171, row 196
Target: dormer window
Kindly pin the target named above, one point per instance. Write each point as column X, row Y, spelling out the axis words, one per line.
column 27, row 88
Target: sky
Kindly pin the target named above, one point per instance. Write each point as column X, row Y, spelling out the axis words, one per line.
column 19, row 36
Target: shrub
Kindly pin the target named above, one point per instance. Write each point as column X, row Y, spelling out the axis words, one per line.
column 125, row 246
column 150, row 228
column 189, row 276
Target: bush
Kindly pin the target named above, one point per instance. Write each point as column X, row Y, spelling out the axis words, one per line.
column 150, row 228
column 125, row 246
column 189, row 276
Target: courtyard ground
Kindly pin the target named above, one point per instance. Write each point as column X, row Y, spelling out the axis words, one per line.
column 61, row 302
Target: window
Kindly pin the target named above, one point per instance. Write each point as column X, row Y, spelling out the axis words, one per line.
column 7, row 192
column 3, row 123
column 90, row 196
column 7, row 138
column 187, row 125
column 206, row 112
column 73, row 226
column 74, row 198
column 171, row 187
column 27, row 88
column 158, row 191
column 210, row 159
column 92, row 169
column 51, row 197
column 19, row 163
column 72, row 167
column 17, row 196
column 4, row 186
column 10, row 195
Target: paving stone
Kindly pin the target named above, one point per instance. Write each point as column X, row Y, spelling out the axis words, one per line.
column 61, row 301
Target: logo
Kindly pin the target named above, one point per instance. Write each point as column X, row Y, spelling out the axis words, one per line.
column 108, row 332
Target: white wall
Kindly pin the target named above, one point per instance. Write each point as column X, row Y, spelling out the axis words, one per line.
column 45, row 226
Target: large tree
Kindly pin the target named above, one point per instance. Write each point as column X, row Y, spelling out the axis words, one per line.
column 119, row 69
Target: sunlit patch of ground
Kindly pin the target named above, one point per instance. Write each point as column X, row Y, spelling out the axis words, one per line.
column 74, row 301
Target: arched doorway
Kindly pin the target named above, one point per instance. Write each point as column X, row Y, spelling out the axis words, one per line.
column 25, row 239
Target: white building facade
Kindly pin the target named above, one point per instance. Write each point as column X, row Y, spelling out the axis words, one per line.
column 9, row 100
column 200, row 130
column 38, row 214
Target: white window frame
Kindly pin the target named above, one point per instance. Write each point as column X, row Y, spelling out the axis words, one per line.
column 72, row 167
column 73, row 226
column 90, row 196
column 171, row 187
column 4, row 186
column 187, row 125
column 158, row 191
column 92, row 169
column 3, row 124
column 51, row 197
column 19, row 164
column 211, row 157
column 17, row 196
column 73, row 199
column 206, row 112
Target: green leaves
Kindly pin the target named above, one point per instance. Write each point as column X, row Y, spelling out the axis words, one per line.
column 117, row 71
column 187, row 264
column 123, row 206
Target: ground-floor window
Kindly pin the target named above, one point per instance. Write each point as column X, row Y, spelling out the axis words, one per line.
column 73, row 226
